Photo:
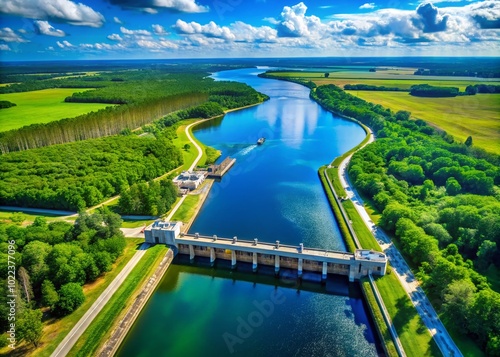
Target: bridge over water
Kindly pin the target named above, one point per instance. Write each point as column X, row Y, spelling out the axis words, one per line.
column 354, row 265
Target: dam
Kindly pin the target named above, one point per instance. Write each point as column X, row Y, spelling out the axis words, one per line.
column 355, row 265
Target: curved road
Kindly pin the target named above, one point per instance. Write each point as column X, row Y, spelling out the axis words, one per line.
column 401, row 268
column 72, row 337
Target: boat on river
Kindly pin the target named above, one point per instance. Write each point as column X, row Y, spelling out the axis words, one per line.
column 261, row 141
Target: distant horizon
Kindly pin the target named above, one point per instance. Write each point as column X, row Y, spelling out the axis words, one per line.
column 245, row 58
column 188, row 29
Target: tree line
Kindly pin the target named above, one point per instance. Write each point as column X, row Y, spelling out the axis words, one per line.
column 439, row 199
column 53, row 261
column 373, row 88
column 145, row 96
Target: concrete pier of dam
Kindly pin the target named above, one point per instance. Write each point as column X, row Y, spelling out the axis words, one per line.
column 354, row 265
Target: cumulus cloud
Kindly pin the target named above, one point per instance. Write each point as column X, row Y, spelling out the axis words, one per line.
column 64, row 44
column 135, row 32
column 115, row 37
column 209, row 30
column 159, row 30
column 486, row 14
column 44, row 28
column 64, row 11
column 295, row 23
column 8, row 35
column 370, row 5
column 117, row 20
column 237, row 32
column 152, row 6
column 4, row 47
column 429, row 18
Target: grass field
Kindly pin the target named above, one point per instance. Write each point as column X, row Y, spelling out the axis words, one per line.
column 478, row 115
column 103, row 325
column 55, row 330
column 42, row 106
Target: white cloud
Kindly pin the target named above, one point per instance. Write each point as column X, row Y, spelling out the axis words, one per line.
column 135, row 32
column 152, row 6
column 295, row 23
column 8, row 35
column 370, row 5
column 115, row 37
column 157, row 45
column 117, row 20
column 64, row 44
column 57, row 10
column 4, row 47
column 44, row 28
column 209, row 30
column 159, row 30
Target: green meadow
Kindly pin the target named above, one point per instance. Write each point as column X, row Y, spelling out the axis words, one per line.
column 42, row 106
column 476, row 115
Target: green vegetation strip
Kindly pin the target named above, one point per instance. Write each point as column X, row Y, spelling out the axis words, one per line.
column 56, row 330
column 349, row 240
column 378, row 318
column 187, row 209
column 43, row 106
column 413, row 333
column 102, row 326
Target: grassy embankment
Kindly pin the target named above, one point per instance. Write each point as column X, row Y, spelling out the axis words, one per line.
column 54, row 329
column 476, row 115
column 106, row 321
column 42, row 106
column 187, row 209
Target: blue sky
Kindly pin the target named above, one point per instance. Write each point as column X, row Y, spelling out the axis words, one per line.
column 115, row 29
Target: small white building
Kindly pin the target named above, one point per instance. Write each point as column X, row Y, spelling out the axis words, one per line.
column 189, row 180
column 163, row 232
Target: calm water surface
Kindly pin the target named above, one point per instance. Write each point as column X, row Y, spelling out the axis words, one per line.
column 272, row 193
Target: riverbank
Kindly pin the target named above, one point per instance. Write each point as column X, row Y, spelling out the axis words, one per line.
column 407, row 330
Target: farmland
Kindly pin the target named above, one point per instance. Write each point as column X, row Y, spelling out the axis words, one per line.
column 460, row 116
column 390, row 78
column 42, row 106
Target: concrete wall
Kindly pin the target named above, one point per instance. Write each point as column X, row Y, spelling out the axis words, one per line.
column 355, row 269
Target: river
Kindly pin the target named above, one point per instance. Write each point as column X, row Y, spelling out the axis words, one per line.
column 272, row 193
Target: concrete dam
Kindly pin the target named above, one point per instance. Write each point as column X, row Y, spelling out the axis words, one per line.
column 354, row 265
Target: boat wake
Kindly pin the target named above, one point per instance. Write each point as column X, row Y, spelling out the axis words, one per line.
column 246, row 150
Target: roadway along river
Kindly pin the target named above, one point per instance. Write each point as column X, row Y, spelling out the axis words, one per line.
column 273, row 192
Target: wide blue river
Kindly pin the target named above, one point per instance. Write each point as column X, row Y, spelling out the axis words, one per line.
column 272, row 193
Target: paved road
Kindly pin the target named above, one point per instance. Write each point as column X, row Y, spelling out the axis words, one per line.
column 200, row 152
column 68, row 342
column 402, row 270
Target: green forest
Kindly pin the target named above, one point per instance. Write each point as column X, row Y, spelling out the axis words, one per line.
column 143, row 96
column 82, row 174
column 440, row 200
column 76, row 163
column 53, row 261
